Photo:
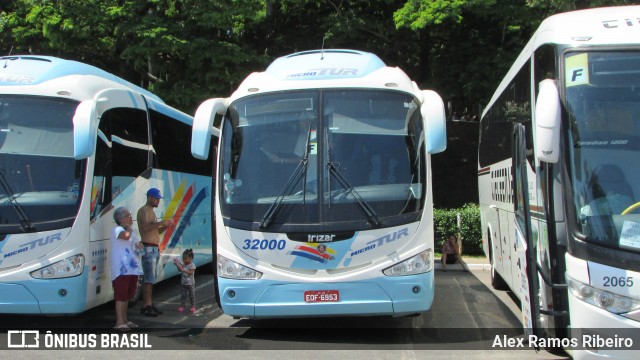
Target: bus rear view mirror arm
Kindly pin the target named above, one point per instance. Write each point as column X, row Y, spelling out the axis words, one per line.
column 434, row 118
column 203, row 126
column 548, row 111
column 84, row 130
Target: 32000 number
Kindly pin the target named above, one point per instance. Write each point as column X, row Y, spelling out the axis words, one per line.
column 264, row 244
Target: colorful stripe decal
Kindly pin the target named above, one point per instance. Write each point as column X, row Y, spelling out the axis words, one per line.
column 308, row 256
column 175, row 200
column 176, row 217
column 312, row 252
column 202, row 194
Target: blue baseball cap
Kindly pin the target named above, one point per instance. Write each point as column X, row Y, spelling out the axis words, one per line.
column 153, row 192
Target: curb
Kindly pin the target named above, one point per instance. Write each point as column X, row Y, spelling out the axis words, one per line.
column 457, row 267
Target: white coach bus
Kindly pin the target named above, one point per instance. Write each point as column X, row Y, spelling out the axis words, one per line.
column 75, row 143
column 324, row 202
column 558, row 170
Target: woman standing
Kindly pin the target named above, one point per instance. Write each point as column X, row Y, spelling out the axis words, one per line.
column 125, row 266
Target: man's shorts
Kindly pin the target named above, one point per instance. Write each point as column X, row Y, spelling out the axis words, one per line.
column 149, row 264
column 124, row 287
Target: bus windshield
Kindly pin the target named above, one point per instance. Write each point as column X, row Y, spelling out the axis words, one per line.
column 604, row 145
column 358, row 149
column 40, row 181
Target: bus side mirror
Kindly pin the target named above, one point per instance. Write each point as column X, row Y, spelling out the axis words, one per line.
column 434, row 118
column 548, row 112
column 203, row 126
column 84, row 130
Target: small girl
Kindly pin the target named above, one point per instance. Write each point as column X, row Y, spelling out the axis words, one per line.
column 188, row 281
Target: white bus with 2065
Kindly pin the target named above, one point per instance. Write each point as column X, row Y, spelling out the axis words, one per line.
column 558, row 180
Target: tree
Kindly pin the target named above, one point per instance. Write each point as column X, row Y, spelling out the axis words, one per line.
column 183, row 50
column 473, row 42
column 190, row 50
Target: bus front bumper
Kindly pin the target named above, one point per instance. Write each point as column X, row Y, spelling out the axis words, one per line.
column 39, row 296
column 394, row 296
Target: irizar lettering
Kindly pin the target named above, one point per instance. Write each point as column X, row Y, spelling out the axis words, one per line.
column 320, row 238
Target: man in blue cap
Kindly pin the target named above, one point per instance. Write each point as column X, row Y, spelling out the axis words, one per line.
column 150, row 229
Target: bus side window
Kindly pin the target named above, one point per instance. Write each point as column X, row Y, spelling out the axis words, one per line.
column 171, row 152
column 129, row 146
column 101, row 187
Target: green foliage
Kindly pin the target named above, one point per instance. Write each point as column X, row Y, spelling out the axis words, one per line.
column 417, row 14
column 445, row 225
column 190, row 50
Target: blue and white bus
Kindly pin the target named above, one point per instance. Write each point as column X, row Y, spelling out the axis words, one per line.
column 75, row 143
column 324, row 202
column 558, row 166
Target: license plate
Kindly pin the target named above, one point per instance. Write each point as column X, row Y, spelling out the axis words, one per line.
column 314, row 296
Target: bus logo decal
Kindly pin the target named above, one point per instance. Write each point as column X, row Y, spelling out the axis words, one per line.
column 325, row 72
column 382, row 240
column 34, row 243
column 16, row 252
column 320, row 253
column 18, row 79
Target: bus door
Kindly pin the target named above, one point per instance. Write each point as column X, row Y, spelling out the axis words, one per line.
column 498, row 218
column 527, row 286
column 116, row 127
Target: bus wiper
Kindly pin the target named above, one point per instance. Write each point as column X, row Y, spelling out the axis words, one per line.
column 368, row 210
column 25, row 223
column 299, row 172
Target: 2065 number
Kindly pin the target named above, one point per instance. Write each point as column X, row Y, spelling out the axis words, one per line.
column 264, row 244
column 614, row 281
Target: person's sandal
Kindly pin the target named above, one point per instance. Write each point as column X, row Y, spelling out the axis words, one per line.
column 132, row 325
column 122, row 328
column 148, row 311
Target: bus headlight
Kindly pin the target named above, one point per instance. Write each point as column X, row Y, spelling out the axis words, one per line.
column 418, row 264
column 71, row 266
column 611, row 302
column 232, row 270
